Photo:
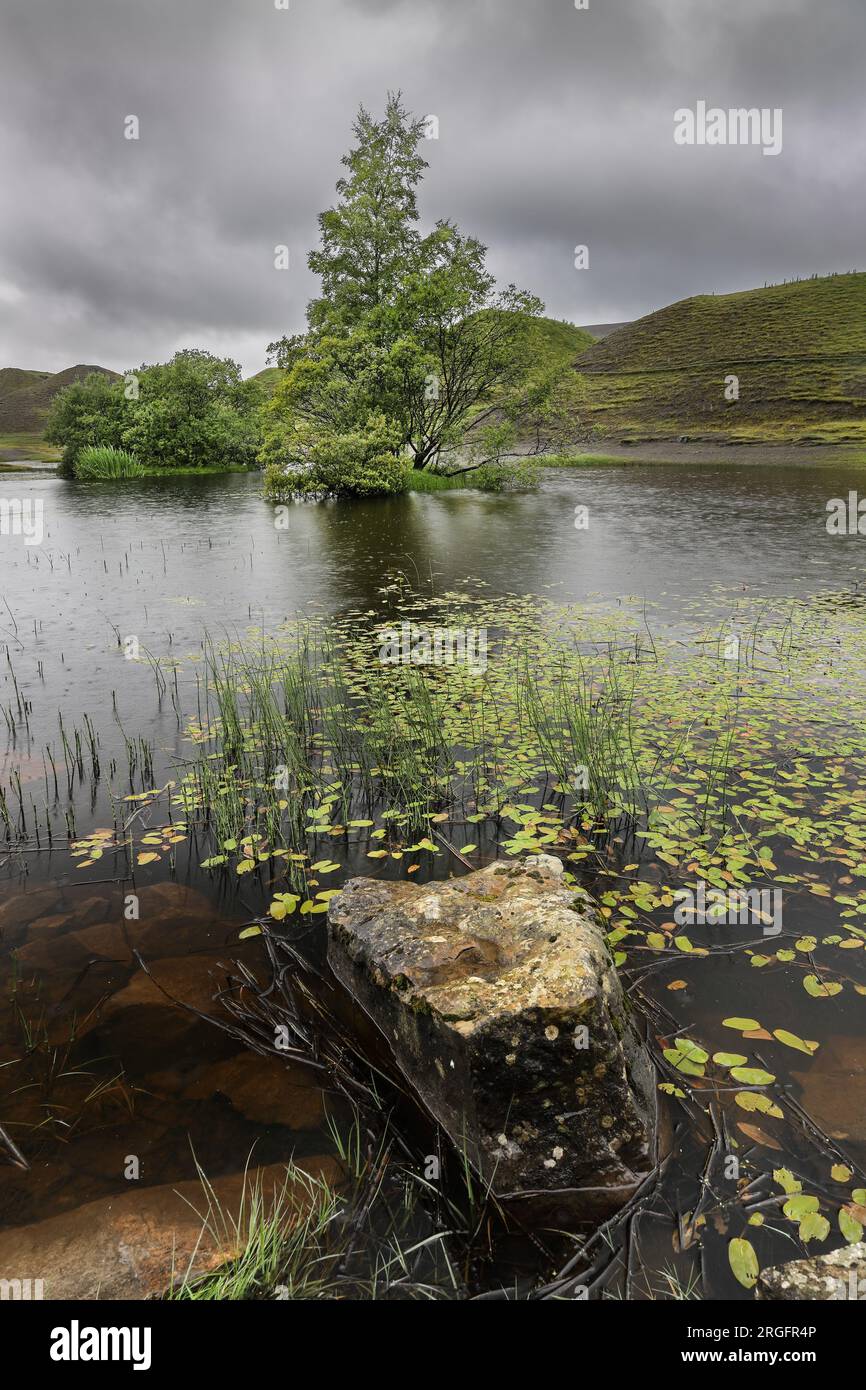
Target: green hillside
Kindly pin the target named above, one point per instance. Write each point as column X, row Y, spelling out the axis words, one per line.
column 24, row 400
column 268, row 378
column 799, row 351
column 553, row 342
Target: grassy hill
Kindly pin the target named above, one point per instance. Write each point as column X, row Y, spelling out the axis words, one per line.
column 799, row 351
column 601, row 330
column 24, row 400
column 553, row 342
column 268, row 378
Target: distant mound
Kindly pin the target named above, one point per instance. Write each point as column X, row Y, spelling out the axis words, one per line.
column 24, row 400
column 551, row 342
column 601, row 330
column 15, row 379
column 268, row 378
column 26, row 396
column 798, row 352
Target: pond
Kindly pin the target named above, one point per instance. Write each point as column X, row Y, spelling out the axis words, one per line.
column 744, row 625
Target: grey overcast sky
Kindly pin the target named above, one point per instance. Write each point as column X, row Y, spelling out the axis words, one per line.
column 555, row 129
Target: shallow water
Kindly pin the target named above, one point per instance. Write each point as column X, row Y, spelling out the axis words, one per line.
column 164, row 562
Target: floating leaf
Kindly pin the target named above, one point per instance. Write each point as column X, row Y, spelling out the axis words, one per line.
column 249, row 931
column 752, row 1076
column 799, row 1206
column 754, row 1100
column 791, row 1040
column 742, row 1025
column 821, row 989
column 729, row 1059
column 743, row 1262
column 786, row 1180
column 283, row 905
column 840, row 1172
column 814, row 1227
column 850, row 1227
column 687, row 1057
column 147, row 858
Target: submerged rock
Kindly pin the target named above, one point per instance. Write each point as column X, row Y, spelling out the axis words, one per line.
column 266, row 1090
column 834, row 1088
column 841, row 1275
column 136, row 1245
column 502, row 1007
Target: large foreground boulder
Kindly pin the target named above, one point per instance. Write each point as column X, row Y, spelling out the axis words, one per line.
column 502, row 1007
column 839, row 1276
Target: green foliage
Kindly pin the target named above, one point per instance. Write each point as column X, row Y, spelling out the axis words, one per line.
column 503, row 477
column 369, row 240
column 487, row 478
column 413, row 328
column 192, row 412
column 102, row 461
column 89, row 412
column 358, row 463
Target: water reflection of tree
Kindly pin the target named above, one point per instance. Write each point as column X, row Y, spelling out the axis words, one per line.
column 436, row 542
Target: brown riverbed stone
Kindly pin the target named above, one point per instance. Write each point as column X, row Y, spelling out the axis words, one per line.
column 132, row 1246
column 266, row 1091
column 190, row 980
column 834, row 1087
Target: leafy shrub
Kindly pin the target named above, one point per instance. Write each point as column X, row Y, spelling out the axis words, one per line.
column 361, row 463
column 192, row 412
column 88, row 412
column 103, row 462
column 503, row 477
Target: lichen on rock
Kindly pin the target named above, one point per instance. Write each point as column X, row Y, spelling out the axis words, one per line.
column 499, row 999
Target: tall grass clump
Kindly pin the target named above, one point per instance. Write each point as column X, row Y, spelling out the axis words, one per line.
column 582, row 723
column 371, row 1238
column 104, row 463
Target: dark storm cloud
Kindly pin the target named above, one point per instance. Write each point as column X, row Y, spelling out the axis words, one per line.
column 556, row 129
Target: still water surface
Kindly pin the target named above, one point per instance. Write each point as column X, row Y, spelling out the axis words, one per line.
column 168, row 561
